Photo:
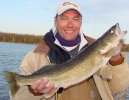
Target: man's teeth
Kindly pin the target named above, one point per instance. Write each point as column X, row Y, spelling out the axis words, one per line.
column 69, row 31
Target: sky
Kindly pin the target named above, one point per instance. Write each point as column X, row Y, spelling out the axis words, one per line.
column 37, row 16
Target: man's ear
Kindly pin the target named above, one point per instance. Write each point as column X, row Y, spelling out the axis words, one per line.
column 55, row 22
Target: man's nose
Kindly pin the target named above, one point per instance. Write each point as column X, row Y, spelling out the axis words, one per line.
column 70, row 23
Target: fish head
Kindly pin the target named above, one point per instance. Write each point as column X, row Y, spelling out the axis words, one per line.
column 114, row 35
column 111, row 39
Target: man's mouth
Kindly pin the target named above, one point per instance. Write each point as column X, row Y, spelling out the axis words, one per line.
column 69, row 31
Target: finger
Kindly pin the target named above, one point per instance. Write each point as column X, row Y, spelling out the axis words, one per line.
column 48, row 89
column 42, row 85
column 36, row 84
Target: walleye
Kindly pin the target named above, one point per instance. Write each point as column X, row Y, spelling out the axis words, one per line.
column 75, row 70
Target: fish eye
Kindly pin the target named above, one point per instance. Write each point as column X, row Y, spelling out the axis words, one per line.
column 112, row 31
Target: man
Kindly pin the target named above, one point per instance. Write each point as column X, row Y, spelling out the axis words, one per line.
column 61, row 44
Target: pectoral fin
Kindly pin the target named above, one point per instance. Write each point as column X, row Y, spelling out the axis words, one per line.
column 105, row 72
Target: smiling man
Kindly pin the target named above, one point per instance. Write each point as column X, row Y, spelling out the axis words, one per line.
column 59, row 45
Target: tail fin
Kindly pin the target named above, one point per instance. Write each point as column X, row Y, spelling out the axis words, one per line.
column 11, row 79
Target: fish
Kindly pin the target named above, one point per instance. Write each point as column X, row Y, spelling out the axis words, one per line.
column 79, row 68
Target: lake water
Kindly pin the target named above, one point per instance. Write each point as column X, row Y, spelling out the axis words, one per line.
column 11, row 56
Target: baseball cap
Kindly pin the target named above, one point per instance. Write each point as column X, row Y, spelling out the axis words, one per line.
column 68, row 5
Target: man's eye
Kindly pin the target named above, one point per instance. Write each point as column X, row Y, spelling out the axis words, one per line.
column 76, row 19
column 64, row 18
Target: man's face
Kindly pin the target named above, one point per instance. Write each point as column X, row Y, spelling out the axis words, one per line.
column 68, row 24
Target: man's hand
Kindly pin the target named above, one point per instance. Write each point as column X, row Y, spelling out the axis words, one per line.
column 39, row 87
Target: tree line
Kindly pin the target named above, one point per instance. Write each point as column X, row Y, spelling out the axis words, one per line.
column 20, row 38
column 34, row 39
